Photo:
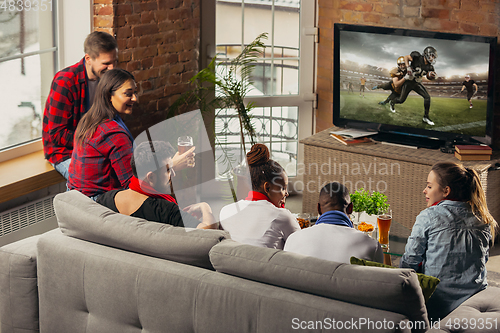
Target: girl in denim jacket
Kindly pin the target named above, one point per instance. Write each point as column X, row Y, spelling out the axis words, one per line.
column 450, row 239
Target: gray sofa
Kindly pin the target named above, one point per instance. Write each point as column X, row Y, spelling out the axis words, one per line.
column 105, row 272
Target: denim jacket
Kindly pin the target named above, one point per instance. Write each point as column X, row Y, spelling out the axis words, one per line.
column 451, row 244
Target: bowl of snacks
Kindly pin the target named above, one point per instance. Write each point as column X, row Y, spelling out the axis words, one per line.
column 304, row 220
column 366, row 228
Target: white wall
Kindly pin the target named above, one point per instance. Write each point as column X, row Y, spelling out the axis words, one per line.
column 75, row 23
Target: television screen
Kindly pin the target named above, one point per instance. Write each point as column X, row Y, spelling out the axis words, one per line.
column 419, row 83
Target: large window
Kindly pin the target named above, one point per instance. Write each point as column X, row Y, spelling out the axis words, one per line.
column 27, row 64
column 280, row 76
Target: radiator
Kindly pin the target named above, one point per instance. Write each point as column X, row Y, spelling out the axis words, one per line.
column 33, row 218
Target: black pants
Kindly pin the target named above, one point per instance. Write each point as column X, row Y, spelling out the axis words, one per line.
column 469, row 95
column 388, row 86
column 419, row 89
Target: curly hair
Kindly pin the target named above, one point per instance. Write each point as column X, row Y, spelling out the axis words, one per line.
column 262, row 168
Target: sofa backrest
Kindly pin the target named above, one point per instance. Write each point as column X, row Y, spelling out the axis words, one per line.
column 395, row 290
column 88, row 287
column 80, row 217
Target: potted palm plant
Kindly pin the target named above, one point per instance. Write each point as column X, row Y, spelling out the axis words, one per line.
column 223, row 86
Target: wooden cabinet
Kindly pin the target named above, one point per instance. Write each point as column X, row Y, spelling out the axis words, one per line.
column 398, row 172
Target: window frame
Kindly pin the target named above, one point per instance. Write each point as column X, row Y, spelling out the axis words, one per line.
column 306, row 99
column 75, row 18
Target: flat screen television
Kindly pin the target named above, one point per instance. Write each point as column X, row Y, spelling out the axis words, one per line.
column 365, row 56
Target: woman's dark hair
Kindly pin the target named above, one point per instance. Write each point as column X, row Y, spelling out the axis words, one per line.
column 102, row 109
column 465, row 185
column 149, row 156
column 262, row 168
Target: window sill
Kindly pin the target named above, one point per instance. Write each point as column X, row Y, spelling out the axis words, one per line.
column 26, row 174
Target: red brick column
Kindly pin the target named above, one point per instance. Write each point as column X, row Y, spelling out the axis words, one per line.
column 477, row 17
column 158, row 43
column 104, row 16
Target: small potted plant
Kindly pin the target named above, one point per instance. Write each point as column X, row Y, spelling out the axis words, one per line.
column 367, row 206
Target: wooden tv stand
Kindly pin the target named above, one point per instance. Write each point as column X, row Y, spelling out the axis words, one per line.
column 398, row 172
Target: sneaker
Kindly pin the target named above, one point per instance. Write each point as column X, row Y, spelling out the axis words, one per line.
column 391, row 106
column 382, row 102
column 375, row 87
column 428, row 121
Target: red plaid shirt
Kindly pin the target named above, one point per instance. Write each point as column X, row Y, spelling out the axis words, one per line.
column 103, row 163
column 64, row 108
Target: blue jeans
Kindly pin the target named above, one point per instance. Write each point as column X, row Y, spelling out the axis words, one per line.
column 63, row 167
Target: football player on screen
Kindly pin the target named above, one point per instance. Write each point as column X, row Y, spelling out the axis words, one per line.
column 469, row 84
column 397, row 74
column 362, row 85
column 419, row 66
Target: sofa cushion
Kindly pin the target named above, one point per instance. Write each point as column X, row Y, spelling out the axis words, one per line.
column 427, row 283
column 18, row 286
column 480, row 313
column 80, row 217
column 395, row 290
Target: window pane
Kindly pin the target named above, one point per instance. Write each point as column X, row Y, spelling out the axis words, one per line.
column 286, row 24
column 276, row 127
column 228, row 28
column 278, row 77
column 286, row 77
column 278, row 73
column 257, row 19
column 29, row 76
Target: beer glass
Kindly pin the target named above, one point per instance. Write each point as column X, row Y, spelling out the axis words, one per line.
column 384, row 220
column 184, row 143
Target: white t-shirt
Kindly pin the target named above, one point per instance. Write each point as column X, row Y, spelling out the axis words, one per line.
column 335, row 243
column 258, row 223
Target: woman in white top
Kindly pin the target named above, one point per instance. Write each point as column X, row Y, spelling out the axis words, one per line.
column 261, row 219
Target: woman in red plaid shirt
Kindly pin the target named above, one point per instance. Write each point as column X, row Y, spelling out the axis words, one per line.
column 103, row 144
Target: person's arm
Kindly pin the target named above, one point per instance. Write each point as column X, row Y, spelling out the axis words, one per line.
column 416, row 246
column 59, row 114
column 463, row 87
column 181, row 161
column 120, row 150
column 203, row 212
column 398, row 81
column 475, row 87
column 289, row 224
column 408, row 58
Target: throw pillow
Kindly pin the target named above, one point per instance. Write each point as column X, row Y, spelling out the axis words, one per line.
column 427, row 283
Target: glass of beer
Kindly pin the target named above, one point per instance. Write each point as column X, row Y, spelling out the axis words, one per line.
column 184, row 143
column 384, row 220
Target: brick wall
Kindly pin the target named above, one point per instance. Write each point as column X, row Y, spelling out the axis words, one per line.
column 478, row 17
column 158, row 42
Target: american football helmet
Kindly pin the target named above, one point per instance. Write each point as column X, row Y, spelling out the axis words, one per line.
column 401, row 61
column 430, row 54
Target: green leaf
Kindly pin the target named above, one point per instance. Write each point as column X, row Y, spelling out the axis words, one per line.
column 371, row 204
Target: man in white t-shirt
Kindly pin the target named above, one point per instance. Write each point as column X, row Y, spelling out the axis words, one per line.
column 333, row 237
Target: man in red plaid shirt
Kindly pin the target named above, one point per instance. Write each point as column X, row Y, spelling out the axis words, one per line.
column 72, row 95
